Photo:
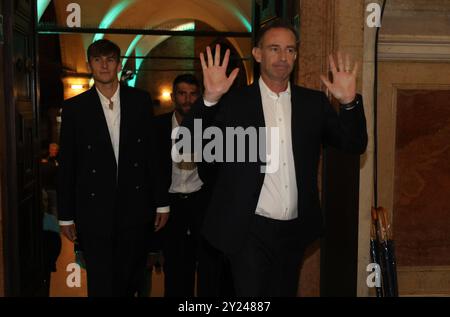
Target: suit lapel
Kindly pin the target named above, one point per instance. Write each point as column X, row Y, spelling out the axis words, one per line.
column 256, row 113
column 295, row 105
column 124, row 120
column 296, row 124
column 99, row 120
column 99, row 123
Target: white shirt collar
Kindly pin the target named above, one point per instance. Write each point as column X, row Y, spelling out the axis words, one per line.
column 266, row 90
column 174, row 121
column 115, row 98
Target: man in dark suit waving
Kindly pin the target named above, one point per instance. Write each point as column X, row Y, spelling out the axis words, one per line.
column 108, row 176
column 264, row 218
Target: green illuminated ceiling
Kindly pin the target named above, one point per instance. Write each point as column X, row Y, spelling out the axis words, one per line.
column 112, row 15
column 41, row 6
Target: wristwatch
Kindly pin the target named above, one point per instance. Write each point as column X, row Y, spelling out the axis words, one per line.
column 353, row 104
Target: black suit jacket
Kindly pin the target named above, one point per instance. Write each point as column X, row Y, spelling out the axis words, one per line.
column 238, row 186
column 100, row 198
column 163, row 131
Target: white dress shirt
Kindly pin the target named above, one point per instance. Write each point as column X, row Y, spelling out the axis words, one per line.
column 185, row 178
column 112, row 117
column 279, row 196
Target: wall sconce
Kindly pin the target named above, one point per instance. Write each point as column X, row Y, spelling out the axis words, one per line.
column 76, row 87
column 166, row 95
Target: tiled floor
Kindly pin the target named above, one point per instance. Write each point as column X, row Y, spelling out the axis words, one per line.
column 59, row 288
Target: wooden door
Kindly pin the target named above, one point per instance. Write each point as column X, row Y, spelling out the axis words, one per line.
column 22, row 215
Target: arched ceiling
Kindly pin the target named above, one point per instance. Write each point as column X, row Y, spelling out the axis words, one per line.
column 222, row 15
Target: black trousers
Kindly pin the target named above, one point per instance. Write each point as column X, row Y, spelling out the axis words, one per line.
column 268, row 264
column 51, row 250
column 114, row 265
column 214, row 278
column 180, row 243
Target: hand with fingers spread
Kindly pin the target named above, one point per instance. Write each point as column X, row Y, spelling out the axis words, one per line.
column 215, row 79
column 343, row 87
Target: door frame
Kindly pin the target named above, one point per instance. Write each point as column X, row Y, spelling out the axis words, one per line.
column 9, row 152
column 9, row 173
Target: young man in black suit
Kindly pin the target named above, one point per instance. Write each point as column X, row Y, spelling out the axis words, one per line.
column 263, row 220
column 108, row 176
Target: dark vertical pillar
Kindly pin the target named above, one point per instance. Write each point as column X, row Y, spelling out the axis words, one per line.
column 339, row 247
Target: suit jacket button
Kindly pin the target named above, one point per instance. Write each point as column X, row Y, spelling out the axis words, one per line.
column 89, row 147
column 139, row 140
column 136, row 164
column 92, row 194
column 94, row 171
column 138, row 187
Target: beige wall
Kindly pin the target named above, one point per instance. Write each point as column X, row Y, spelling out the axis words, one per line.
column 315, row 43
column 326, row 27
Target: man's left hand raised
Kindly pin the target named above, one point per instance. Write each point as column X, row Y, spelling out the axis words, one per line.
column 343, row 87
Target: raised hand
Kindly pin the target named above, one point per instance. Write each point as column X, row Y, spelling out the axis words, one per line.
column 343, row 87
column 215, row 78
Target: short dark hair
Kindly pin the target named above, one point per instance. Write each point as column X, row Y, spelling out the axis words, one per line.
column 103, row 48
column 185, row 78
column 276, row 24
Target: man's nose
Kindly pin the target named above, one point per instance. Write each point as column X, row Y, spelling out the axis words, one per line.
column 283, row 55
column 191, row 99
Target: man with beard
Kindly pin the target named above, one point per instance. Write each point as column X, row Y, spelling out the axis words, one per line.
column 181, row 242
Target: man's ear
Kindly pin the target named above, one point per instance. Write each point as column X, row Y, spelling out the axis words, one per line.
column 119, row 67
column 88, row 67
column 256, row 52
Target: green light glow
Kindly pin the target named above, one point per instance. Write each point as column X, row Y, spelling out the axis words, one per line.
column 143, row 51
column 41, row 6
column 238, row 14
column 112, row 15
column 244, row 20
column 129, row 51
column 139, row 62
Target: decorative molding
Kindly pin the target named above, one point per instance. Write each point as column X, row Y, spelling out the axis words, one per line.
column 422, row 49
column 424, row 280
